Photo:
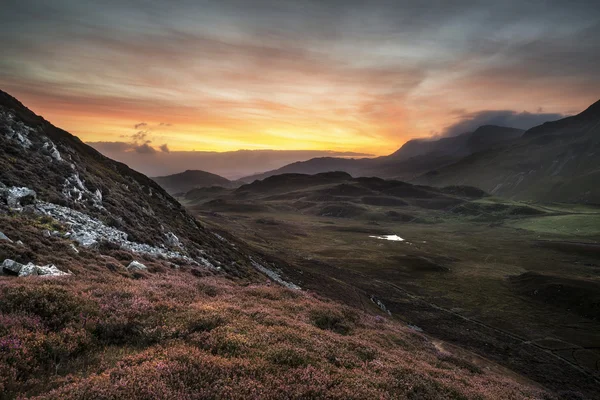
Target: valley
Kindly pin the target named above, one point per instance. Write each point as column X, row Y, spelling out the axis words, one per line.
column 513, row 282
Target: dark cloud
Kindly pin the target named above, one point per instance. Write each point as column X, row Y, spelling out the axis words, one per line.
column 164, row 148
column 140, row 125
column 139, row 136
column 508, row 118
column 144, row 149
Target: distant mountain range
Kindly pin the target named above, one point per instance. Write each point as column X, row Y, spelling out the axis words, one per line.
column 190, row 179
column 413, row 159
column 557, row 161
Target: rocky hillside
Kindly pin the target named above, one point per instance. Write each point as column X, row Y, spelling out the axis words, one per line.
column 47, row 173
column 190, row 179
column 556, row 161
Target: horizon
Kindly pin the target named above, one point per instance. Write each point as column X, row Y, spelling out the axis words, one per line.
column 340, row 77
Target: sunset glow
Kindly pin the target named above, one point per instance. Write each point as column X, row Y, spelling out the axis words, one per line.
column 344, row 76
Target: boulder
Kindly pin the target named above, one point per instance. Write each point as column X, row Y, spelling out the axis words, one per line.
column 50, row 270
column 28, row 270
column 4, row 237
column 11, row 267
column 86, row 239
column 172, row 239
column 136, row 266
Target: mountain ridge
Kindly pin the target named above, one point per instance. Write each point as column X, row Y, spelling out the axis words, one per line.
column 190, row 179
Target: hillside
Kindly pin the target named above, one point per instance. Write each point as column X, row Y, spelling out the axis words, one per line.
column 482, row 138
column 188, row 180
column 413, row 159
column 556, row 161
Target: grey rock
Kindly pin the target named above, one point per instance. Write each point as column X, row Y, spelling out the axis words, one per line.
column 74, row 248
column 19, row 242
column 28, row 270
column 50, row 270
column 50, row 149
column 17, row 197
column 172, row 239
column 88, row 231
column 274, row 275
column 4, row 237
column 11, row 267
column 136, row 266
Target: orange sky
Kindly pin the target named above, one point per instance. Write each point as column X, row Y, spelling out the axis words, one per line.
column 338, row 76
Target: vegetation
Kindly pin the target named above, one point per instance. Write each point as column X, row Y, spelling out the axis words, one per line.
column 172, row 335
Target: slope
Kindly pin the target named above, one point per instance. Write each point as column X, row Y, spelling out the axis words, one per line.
column 188, row 180
column 556, row 161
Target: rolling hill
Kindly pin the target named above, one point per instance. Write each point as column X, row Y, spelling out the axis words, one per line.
column 190, row 179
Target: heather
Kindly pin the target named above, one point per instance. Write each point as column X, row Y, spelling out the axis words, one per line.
column 171, row 334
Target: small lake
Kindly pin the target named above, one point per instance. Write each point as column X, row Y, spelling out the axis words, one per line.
column 394, row 238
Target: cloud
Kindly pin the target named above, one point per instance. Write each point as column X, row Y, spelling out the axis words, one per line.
column 521, row 120
column 341, row 74
column 164, row 148
column 231, row 164
column 139, row 136
column 144, row 149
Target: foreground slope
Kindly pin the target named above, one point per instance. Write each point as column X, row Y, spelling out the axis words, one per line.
column 190, row 179
column 557, row 161
column 145, row 305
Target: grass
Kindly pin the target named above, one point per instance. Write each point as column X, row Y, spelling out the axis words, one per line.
column 572, row 225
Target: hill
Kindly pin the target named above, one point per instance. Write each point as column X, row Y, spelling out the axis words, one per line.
column 556, row 161
column 190, row 179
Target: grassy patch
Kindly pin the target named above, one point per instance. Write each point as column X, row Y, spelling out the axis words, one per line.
column 562, row 225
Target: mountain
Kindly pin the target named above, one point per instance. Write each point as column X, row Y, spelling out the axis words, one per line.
column 49, row 173
column 555, row 162
column 482, row 138
column 414, row 158
column 190, row 179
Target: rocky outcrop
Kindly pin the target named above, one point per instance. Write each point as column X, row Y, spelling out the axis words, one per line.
column 274, row 275
column 17, row 197
column 11, row 267
column 15, row 130
column 136, row 266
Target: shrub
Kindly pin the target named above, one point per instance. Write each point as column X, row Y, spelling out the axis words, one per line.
column 332, row 320
column 56, row 306
column 289, row 356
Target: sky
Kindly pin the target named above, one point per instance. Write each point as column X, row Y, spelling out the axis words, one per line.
column 350, row 76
